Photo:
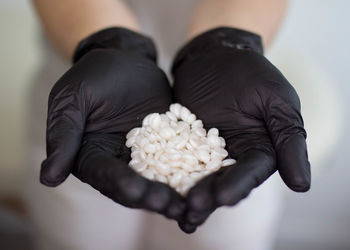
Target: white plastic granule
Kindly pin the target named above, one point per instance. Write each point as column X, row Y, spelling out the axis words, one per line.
column 175, row 149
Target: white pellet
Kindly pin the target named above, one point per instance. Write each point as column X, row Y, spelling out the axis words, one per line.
column 164, row 118
column 203, row 155
column 167, row 133
column 175, row 179
column 187, row 167
column 163, row 158
column 145, row 120
column 195, row 176
column 162, row 168
column 158, row 154
column 161, row 178
column 139, row 167
column 222, row 142
column 175, row 109
column 189, row 146
column 228, row 162
column 171, row 116
column 191, row 118
column 213, row 141
column 143, row 155
column 174, row 157
column 153, row 137
column 164, row 124
column 148, row 174
column 131, row 141
column 150, row 148
column 213, row 165
column 141, row 141
column 197, row 124
column 134, row 161
column 200, row 132
column 184, row 113
column 213, row 131
column 154, row 121
column 190, row 159
column 218, row 153
column 135, row 154
column 133, row 133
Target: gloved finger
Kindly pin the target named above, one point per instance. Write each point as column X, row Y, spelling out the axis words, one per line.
column 115, row 179
column 162, row 199
column 187, row 227
column 285, row 125
column 201, row 200
column 252, row 168
column 200, row 197
column 177, row 206
column 198, row 218
column 65, row 126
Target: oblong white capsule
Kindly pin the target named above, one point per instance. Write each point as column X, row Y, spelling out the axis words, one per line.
column 171, row 116
column 200, row 132
column 187, row 167
column 175, row 164
column 175, row 179
column 223, row 142
column 191, row 118
column 203, row 155
column 228, row 162
column 154, row 121
column 218, row 153
column 167, row 133
column 135, row 161
column 184, row 113
column 197, row 124
column 148, row 174
column 131, row 141
column 195, row 176
column 213, row 141
column 139, row 167
column 213, row 165
column 190, row 159
column 162, row 168
column 161, row 178
column 213, row 131
column 150, row 148
column 133, row 132
column 141, row 141
column 175, row 108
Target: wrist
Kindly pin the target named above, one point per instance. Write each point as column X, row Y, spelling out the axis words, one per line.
column 119, row 39
column 219, row 39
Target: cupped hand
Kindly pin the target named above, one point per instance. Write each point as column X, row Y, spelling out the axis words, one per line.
column 233, row 87
column 91, row 108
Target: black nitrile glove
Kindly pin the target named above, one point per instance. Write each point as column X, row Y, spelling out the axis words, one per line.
column 223, row 78
column 112, row 86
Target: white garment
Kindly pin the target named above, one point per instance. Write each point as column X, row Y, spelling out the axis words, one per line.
column 74, row 216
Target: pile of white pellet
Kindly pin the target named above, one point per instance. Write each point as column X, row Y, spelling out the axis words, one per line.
column 174, row 148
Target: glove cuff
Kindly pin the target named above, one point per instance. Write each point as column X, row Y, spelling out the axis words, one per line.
column 119, row 39
column 218, row 39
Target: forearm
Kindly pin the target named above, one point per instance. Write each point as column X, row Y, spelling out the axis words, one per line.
column 261, row 17
column 67, row 22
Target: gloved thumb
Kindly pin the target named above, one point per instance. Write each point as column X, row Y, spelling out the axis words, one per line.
column 65, row 126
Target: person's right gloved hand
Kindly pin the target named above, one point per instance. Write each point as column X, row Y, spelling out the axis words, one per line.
column 112, row 86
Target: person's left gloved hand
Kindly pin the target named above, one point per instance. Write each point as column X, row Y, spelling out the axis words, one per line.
column 223, row 78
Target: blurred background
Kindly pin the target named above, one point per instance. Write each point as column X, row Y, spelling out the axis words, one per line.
column 312, row 50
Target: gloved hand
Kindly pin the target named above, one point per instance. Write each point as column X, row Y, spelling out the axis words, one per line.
column 113, row 84
column 223, row 77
